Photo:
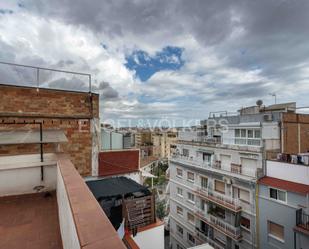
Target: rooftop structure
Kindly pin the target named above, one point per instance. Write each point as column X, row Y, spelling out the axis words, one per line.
column 74, row 114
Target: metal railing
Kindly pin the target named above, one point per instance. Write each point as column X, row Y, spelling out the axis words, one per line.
column 302, row 219
column 219, row 223
column 201, row 236
column 223, row 200
column 40, row 81
column 211, row 165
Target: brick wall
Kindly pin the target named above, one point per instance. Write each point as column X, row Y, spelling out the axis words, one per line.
column 71, row 112
column 118, row 162
column 295, row 133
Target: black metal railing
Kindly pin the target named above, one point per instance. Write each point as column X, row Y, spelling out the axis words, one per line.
column 302, row 219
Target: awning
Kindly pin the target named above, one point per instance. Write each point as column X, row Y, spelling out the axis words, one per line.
column 115, row 186
column 31, row 137
column 147, row 174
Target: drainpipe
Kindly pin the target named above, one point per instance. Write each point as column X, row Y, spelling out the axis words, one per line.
column 298, row 137
column 257, row 216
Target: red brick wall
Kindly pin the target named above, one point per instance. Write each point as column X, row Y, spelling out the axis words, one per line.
column 68, row 111
column 295, row 125
column 118, row 162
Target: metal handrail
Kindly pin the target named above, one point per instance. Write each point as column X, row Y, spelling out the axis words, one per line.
column 47, row 69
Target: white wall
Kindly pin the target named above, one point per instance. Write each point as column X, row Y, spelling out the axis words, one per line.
column 67, row 226
column 289, row 172
column 19, row 181
column 151, row 239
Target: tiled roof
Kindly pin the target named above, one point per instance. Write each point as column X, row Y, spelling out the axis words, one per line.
column 299, row 188
column 118, row 162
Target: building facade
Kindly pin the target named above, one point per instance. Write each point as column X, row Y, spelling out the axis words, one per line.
column 163, row 143
column 213, row 177
column 284, row 205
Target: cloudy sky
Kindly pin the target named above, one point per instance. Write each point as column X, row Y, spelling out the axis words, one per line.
column 158, row 59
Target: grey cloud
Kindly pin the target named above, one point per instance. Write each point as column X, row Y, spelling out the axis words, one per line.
column 268, row 35
column 107, row 92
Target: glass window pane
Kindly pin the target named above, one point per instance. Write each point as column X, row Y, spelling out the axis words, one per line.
column 257, row 134
column 250, row 133
column 237, row 133
column 243, row 133
column 273, row 193
column 281, row 195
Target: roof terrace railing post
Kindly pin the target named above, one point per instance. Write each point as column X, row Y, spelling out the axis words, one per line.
column 41, row 151
column 38, row 78
column 90, row 83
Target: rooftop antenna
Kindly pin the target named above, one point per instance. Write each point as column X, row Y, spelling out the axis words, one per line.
column 274, row 95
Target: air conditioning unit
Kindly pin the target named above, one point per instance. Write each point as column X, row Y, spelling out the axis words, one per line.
column 268, row 117
column 227, row 180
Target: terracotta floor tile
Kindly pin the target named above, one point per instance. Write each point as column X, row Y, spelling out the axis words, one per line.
column 29, row 221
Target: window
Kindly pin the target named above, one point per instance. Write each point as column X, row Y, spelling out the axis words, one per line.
column 179, row 211
column 179, row 192
column 220, row 186
column 207, row 157
column 237, row 133
column 243, row 133
column 276, row 231
column 244, row 195
column 204, row 182
column 185, row 152
column 179, row 230
column 250, row 133
column 257, row 133
column 179, row 173
column 190, row 218
column 191, row 238
column 190, row 177
column 203, row 205
column 191, row 197
column 245, row 223
column 277, row 194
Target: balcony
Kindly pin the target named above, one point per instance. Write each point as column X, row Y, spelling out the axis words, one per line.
column 219, row 199
column 302, row 222
column 234, row 170
column 202, row 238
column 219, row 224
column 48, row 205
column 247, row 141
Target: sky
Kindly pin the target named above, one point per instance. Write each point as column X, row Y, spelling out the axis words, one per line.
column 158, row 60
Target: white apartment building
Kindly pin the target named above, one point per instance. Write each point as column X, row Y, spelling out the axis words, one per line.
column 213, row 178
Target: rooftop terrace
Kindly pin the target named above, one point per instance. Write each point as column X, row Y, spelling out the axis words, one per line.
column 48, row 205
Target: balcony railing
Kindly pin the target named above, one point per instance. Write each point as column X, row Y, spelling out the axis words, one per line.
column 236, row 169
column 220, row 199
column 203, row 238
column 219, row 224
column 302, row 219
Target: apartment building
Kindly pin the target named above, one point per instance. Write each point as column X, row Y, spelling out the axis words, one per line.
column 284, row 203
column 214, row 173
column 163, row 143
column 116, row 140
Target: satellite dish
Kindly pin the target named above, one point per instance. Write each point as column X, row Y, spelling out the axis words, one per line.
column 259, row 102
